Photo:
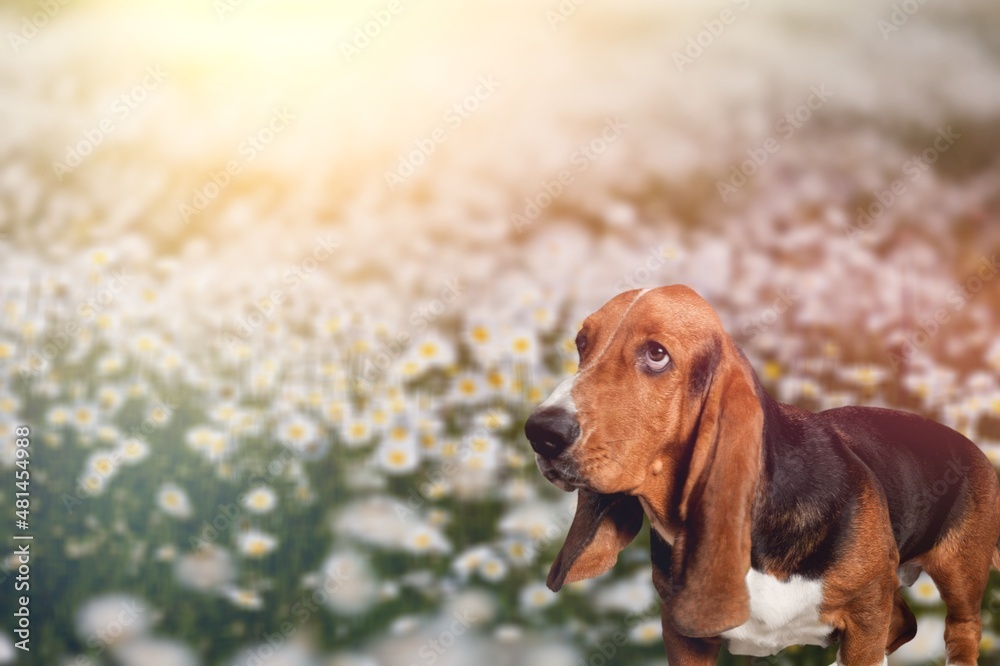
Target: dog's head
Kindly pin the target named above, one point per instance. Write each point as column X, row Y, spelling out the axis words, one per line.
column 663, row 408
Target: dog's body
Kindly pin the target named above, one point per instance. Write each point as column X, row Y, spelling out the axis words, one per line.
column 772, row 526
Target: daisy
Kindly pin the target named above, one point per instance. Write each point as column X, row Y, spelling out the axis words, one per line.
column 133, row 450
column 398, row 456
column 224, row 413
column 523, row 346
column 519, row 552
column 334, row 411
column 103, row 463
column 260, row 500
column 107, row 434
column 424, row 539
column 244, row 598
column 631, row 595
column 9, row 404
column 433, row 351
column 436, row 490
column 863, row 376
column 159, row 414
column 494, row 419
column 467, row 388
column 84, row 417
column 92, row 484
column 173, row 501
column 57, row 416
column 255, row 543
column 349, row 582
column 207, row 569
column 146, row 651
column 924, row 592
column 302, row 435
column 536, row 596
column 492, row 568
column 470, row 560
column 356, row 432
column 481, row 338
column 128, row 616
column 647, row 632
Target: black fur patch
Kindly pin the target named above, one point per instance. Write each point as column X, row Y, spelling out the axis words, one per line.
column 703, row 366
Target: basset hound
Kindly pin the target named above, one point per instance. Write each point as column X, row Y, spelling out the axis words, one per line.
column 771, row 526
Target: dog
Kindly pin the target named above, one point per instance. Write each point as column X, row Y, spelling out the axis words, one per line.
column 771, row 526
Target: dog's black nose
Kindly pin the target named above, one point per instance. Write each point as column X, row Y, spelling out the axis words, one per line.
column 551, row 431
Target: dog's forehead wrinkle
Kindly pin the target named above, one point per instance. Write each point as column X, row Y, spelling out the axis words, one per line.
column 614, row 333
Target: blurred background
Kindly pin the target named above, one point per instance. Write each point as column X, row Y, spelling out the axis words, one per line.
column 281, row 282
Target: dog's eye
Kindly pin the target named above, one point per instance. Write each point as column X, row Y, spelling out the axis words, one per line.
column 655, row 356
column 581, row 343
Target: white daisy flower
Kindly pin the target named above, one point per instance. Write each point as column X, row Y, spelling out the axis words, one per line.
column 207, row 569
column 244, row 598
column 398, row 457
column 173, row 501
column 133, row 450
column 492, row 568
column 423, row 539
column 536, row 596
column 647, row 632
column 924, row 592
column 113, row 619
column 261, row 499
column 256, row 543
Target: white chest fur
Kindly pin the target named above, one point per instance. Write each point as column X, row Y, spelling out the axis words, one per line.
column 782, row 613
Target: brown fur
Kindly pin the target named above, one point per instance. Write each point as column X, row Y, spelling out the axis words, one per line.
column 687, row 444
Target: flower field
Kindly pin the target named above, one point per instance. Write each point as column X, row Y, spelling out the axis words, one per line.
column 276, row 298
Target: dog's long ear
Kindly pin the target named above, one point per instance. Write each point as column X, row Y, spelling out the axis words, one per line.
column 602, row 526
column 713, row 549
